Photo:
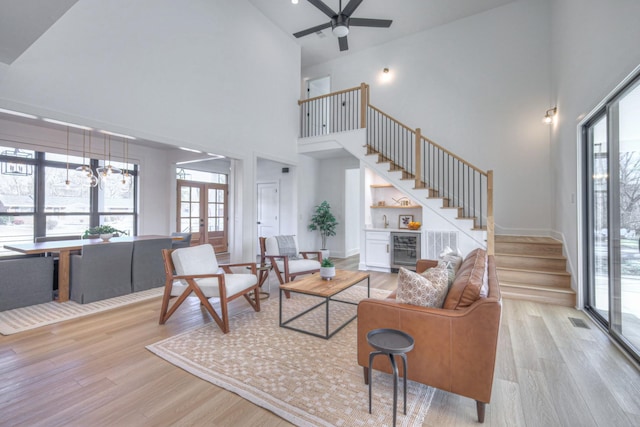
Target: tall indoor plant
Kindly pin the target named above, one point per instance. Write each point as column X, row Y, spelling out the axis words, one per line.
column 324, row 222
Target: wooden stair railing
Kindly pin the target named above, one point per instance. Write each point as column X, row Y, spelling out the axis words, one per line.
column 444, row 174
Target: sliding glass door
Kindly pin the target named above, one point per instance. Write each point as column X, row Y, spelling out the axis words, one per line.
column 612, row 143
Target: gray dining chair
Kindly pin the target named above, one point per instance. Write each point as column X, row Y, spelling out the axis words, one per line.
column 184, row 243
column 29, row 281
column 147, row 266
column 102, row 271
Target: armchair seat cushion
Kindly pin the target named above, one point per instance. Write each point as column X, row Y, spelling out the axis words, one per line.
column 298, row 265
column 235, row 283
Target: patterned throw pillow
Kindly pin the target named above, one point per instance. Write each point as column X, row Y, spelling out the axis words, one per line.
column 416, row 289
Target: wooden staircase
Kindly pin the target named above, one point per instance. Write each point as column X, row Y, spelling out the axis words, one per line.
column 534, row 269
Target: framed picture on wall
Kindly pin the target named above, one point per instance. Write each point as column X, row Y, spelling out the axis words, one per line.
column 404, row 220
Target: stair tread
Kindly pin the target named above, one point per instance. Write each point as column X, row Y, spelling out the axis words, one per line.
column 544, row 240
column 504, row 286
column 524, row 270
column 561, row 257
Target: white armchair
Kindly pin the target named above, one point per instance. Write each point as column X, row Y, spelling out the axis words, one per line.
column 195, row 269
column 286, row 267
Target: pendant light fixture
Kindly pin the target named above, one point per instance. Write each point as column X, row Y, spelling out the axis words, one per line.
column 107, row 171
column 125, row 181
column 88, row 178
column 67, row 183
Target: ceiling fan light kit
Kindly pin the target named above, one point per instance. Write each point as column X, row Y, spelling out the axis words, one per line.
column 340, row 22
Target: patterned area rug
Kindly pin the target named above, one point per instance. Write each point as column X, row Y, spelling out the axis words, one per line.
column 35, row 316
column 308, row 381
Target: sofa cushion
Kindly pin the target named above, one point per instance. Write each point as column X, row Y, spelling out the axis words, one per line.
column 427, row 289
column 468, row 281
column 452, row 259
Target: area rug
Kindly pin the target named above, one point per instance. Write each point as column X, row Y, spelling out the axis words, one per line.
column 308, row 381
column 35, row 316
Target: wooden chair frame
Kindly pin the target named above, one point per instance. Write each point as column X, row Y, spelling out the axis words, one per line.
column 222, row 321
column 284, row 276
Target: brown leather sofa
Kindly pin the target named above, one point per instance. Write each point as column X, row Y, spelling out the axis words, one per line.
column 455, row 346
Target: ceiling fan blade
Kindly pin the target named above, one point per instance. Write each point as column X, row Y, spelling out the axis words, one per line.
column 342, row 42
column 350, row 7
column 364, row 22
column 312, row 30
column 323, row 7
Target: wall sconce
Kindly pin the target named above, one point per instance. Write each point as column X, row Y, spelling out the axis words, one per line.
column 549, row 115
column 386, row 75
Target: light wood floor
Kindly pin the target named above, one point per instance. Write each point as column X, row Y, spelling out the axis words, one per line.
column 96, row 371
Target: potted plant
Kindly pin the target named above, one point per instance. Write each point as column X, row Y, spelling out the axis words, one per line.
column 324, row 222
column 104, row 231
column 327, row 269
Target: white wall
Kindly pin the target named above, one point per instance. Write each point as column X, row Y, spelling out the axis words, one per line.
column 331, row 187
column 479, row 87
column 209, row 75
column 352, row 208
column 595, row 46
column 307, row 188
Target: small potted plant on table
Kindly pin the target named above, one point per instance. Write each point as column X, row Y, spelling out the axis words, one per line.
column 327, row 269
column 105, row 232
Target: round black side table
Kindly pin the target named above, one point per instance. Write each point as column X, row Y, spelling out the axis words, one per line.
column 390, row 342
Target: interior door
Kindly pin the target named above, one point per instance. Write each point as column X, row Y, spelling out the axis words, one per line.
column 202, row 211
column 319, row 113
column 268, row 209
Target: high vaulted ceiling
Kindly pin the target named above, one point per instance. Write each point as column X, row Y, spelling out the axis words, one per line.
column 23, row 22
column 409, row 17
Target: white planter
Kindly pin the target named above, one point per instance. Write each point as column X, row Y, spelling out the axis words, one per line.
column 106, row 237
column 327, row 273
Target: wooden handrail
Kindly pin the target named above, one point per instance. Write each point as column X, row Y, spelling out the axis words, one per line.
column 377, row 110
column 418, row 150
column 458, row 158
column 364, row 101
column 315, row 98
column 477, row 169
column 490, row 223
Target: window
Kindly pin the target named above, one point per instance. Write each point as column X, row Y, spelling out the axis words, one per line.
column 34, row 200
column 611, row 144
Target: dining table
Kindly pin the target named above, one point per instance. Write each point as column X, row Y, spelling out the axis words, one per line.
column 64, row 248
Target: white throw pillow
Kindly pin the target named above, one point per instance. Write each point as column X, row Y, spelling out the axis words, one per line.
column 416, row 289
column 453, row 260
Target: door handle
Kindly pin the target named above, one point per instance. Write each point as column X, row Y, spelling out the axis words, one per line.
column 258, row 222
column 387, row 248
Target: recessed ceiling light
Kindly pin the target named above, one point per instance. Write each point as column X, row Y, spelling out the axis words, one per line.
column 106, row 132
column 17, row 113
column 217, row 156
column 73, row 125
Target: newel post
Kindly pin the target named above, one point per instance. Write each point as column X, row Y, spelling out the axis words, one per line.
column 490, row 225
column 418, row 158
column 364, row 100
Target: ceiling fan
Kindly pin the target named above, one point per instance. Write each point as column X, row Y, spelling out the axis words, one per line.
column 341, row 21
